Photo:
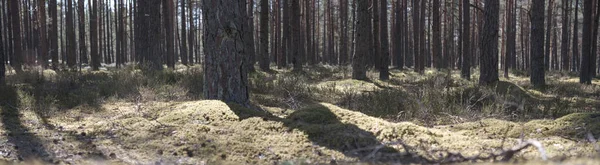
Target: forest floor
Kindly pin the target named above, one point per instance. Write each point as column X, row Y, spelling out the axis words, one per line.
column 320, row 116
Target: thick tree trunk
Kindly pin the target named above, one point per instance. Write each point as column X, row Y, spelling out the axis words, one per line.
column 225, row 77
column 398, row 35
column 384, row 57
column 343, row 32
column 537, row 43
column 169, row 16
column 586, row 43
column 488, row 70
column 15, row 14
column 148, row 33
column 264, row 61
column 249, row 37
column 363, row 24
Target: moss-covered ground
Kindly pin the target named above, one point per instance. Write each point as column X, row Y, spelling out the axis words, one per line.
column 320, row 116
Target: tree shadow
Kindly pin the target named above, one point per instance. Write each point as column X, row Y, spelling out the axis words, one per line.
column 24, row 141
column 324, row 129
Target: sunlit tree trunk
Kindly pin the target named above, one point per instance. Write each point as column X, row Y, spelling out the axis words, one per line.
column 225, row 77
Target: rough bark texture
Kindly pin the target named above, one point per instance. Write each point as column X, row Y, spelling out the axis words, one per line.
column 489, row 44
column 363, row 25
column 53, row 33
column 466, row 41
column 384, row 57
column 225, row 77
column 249, row 36
column 264, row 36
column 148, row 33
column 537, row 43
column 586, row 43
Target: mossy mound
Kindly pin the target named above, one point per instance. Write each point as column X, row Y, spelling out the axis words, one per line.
column 214, row 132
column 348, row 85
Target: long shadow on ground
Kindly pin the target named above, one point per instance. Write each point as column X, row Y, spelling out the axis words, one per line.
column 27, row 145
column 325, row 129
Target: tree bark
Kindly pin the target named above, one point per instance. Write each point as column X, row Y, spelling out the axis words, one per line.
column 488, row 70
column 249, row 37
column 225, row 77
column 564, row 50
column 148, row 33
column 466, row 31
column 586, row 43
column 363, row 24
column 297, row 44
column 169, row 16
column 42, row 41
column 94, row 39
column 15, row 14
column 264, row 61
column 384, row 57
column 537, row 43
column 575, row 59
column 437, row 34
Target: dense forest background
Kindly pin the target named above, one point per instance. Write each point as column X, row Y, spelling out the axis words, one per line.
column 72, row 34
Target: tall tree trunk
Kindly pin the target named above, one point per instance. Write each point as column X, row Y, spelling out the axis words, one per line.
column 398, row 33
column 437, row 34
column 537, row 43
column 554, row 61
column 94, row 39
column 548, row 35
column 384, row 59
column 169, row 16
column 53, row 33
column 81, row 22
column 297, row 44
column 191, row 33
column 42, row 41
column 147, row 33
column 466, row 41
column 575, row 58
column 249, row 36
column 264, row 61
column 375, row 33
column 586, row 42
column 225, row 77
column 564, row 50
column 488, row 70
column 594, row 44
column 363, row 24
column 183, row 50
column 15, row 14
column 416, row 34
column 343, row 32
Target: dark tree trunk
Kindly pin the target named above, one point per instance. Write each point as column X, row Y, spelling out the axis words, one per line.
column 225, row 78
column 94, row 39
column 586, row 43
column 183, row 50
column 416, row 34
column 297, row 44
column 285, row 48
column 343, row 32
column 488, row 70
column 42, row 41
column 82, row 43
column 575, row 59
column 437, row 34
column 147, row 38
column 398, row 35
column 548, row 37
column 363, row 24
column 264, row 61
column 190, row 33
column 384, row 57
column 249, row 36
column 466, row 41
column 169, row 17
column 564, row 50
column 15, row 14
column 53, row 33
column 537, row 43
